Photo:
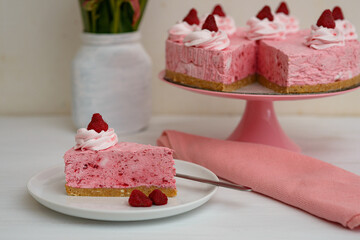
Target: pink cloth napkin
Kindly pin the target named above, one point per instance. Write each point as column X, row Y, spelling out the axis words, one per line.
column 317, row 187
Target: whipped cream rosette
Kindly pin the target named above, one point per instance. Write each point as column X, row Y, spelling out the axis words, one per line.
column 264, row 29
column 265, row 26
column 92, row 140
column 209, row 37
column 322, row 38
column 347, row 29
column 343, row 25
column 291, row 24
column 324, row 34
column 224, row 22
column 182, row 28
column 282, row 15
column 178, row 31
column 97, row 136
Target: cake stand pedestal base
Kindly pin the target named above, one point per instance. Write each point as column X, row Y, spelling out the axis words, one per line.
column 259, row 124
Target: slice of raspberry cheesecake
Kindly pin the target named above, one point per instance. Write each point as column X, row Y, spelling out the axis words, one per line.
column 99, row 165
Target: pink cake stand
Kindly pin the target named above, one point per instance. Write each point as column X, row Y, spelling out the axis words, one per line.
column 259, row 123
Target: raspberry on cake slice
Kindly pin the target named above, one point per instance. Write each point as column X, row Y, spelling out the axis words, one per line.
column 283, row 8
column 192, row 18
column 99, row 165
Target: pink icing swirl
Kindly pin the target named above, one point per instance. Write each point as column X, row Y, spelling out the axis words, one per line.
column 225, row 24
column 322, row 38
column 180, row 30
column 92, row 140
column 206, row 39
column 265, row 29
column 347, row 29
column 291, row 24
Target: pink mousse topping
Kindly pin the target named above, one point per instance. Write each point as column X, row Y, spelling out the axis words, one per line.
column 290, row 62
column 225, row 23
column 178, row 31
column 347, row 29
column 226, row 66
column 290, row 23
column 265, row 29
column 92, row 140
column 322, row 38
column 207, row 39
column 124, row 165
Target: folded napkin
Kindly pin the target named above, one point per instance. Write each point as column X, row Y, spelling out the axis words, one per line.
column 317, row 187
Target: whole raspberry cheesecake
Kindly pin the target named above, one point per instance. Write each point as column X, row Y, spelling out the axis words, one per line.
column 99, row 165
column 214, row 54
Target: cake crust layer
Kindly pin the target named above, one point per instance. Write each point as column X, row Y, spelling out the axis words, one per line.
column 338, row 85
column 199, row 83
column 116, row 192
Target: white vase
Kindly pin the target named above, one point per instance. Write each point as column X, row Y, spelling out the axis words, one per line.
column 112, row 76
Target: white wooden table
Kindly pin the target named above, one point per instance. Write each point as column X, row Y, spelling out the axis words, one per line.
column 30, row 144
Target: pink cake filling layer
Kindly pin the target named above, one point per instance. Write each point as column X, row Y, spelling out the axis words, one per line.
column 226, row 66
column 124, row 165
column 289, row 62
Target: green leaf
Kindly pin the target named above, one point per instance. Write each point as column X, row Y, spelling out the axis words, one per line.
column 85, row 17
column 103, row 22
column 109, row 16
column 126, row 17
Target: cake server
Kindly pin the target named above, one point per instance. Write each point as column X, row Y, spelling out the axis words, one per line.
column 216, row 183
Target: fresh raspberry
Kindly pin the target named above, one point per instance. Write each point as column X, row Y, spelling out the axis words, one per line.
column 218, row 11
column 158, row 197
column 97, row 123
column 283, row 8
column 265, row 13
column 192, row 17
column 139, row 199
column 326, row 19
column 210, row 24
column 337, row 13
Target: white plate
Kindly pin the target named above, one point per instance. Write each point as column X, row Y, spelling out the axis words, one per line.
column 48, row 188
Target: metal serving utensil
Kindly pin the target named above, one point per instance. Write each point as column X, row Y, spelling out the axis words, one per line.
column 216, row 183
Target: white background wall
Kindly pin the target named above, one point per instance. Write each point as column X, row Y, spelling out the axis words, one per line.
column 39, row 38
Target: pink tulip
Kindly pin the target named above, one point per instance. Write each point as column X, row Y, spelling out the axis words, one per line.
column 137, row 11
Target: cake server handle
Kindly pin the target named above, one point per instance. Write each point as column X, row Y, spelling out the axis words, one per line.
column 216, row 183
